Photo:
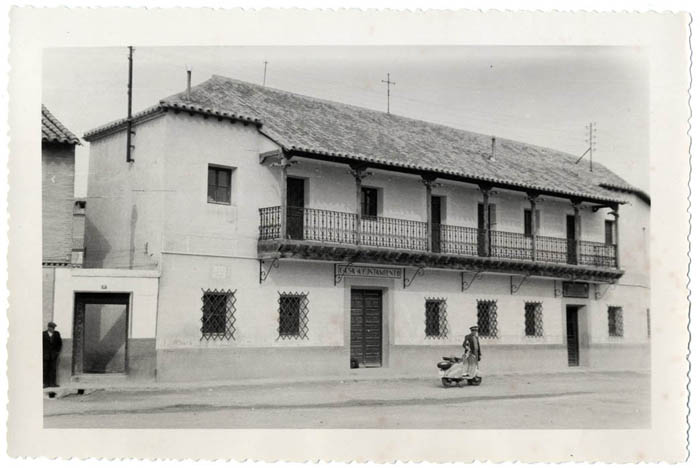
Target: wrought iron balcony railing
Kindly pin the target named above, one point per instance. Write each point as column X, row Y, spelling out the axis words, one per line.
column 337, row 227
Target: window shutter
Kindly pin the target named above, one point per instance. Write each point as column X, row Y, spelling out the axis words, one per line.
column 492, row 215
column 537, row 222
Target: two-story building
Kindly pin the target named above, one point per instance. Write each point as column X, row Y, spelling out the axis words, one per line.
column 290, row 235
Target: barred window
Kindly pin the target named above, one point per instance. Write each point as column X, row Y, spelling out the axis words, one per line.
column 487, row 318
column 533, row 319
column 435, row 318
column 615, row 322
column 293, row 315
column 218, row 314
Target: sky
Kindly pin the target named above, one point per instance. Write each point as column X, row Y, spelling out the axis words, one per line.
column 540, row 95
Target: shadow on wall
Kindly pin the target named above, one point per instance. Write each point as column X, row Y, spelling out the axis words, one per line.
column 105, row 338
column 97, row 247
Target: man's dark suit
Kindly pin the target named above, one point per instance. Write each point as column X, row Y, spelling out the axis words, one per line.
column 474, row 345
column 52, row 348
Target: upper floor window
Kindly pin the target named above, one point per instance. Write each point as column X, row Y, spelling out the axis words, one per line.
column 370, row 202
column 609, row 232
column 528, row 222
column 219, row 185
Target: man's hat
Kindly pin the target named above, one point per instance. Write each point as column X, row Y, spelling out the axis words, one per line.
column 51, row 325
column 474, row 328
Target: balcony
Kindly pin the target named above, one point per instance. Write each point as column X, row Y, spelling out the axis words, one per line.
column 333, row 235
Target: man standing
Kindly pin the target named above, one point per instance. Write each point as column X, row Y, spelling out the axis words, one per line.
column 472, row 341
column 52, row 344
column 472, row 353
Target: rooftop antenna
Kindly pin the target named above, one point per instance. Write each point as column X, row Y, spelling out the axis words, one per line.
column 189, row 82
column 265, row 73
column 129, row 124
column 591, row 140
column 388, row 92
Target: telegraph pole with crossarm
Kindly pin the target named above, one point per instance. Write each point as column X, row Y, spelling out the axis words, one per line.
column 388, row 91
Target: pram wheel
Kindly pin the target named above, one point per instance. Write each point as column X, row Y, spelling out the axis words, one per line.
column 446, row 382
column 475, row 381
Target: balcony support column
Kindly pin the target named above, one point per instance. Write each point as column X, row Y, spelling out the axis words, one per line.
column 429, row 182
column 577, row 229
column 359, row 173
column 532, row 197
column 485, row 238
column 616, row 214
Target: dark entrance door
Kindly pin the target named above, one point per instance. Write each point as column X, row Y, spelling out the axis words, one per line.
column 571, row 239
column 100, row 333
column 366, row 328
column 572, row 343
column 435, row 222
column 295, row 208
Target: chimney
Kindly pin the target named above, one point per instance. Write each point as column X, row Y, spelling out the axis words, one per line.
column 189, row 83
column 493, row 149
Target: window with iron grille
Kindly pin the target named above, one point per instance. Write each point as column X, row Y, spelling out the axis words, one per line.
column 219, row 185
column 533, row 319
column 218, row 314
column 615, row 322
column 293, row 316
column 435, row 318
column 487, row 318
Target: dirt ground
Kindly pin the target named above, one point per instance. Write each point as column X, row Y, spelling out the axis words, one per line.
column 581, row 400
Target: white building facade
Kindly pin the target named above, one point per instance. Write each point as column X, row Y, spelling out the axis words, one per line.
column 291, row 236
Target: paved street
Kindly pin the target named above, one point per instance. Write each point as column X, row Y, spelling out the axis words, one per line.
column 546, row 401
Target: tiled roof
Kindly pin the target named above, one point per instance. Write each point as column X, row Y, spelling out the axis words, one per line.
column 53, row 131
column 306, row 124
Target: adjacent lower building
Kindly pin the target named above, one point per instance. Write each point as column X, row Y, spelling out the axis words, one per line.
column 257, row 232
column 62, row 231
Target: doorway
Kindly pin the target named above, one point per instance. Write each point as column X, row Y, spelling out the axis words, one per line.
column 572, row 335
column 365, row 328
column 100, row 333
column 295, row 208
column 435, row 222
column 571, row 239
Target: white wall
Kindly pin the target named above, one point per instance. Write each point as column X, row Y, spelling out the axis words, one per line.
column 196, row 226
column 125, row 202
column 257, row 310
column 141, row 285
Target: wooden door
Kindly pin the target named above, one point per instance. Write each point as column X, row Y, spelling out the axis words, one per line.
column 572, row 340
column 366, row 327
column 295, row 208
column 435, row 222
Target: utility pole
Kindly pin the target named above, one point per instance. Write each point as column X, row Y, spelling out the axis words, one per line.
column 388, row 92
column 265, row 73
column 128, row 111
column 591, row 140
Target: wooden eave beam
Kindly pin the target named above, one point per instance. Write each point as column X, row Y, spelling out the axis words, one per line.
column 440, row 175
